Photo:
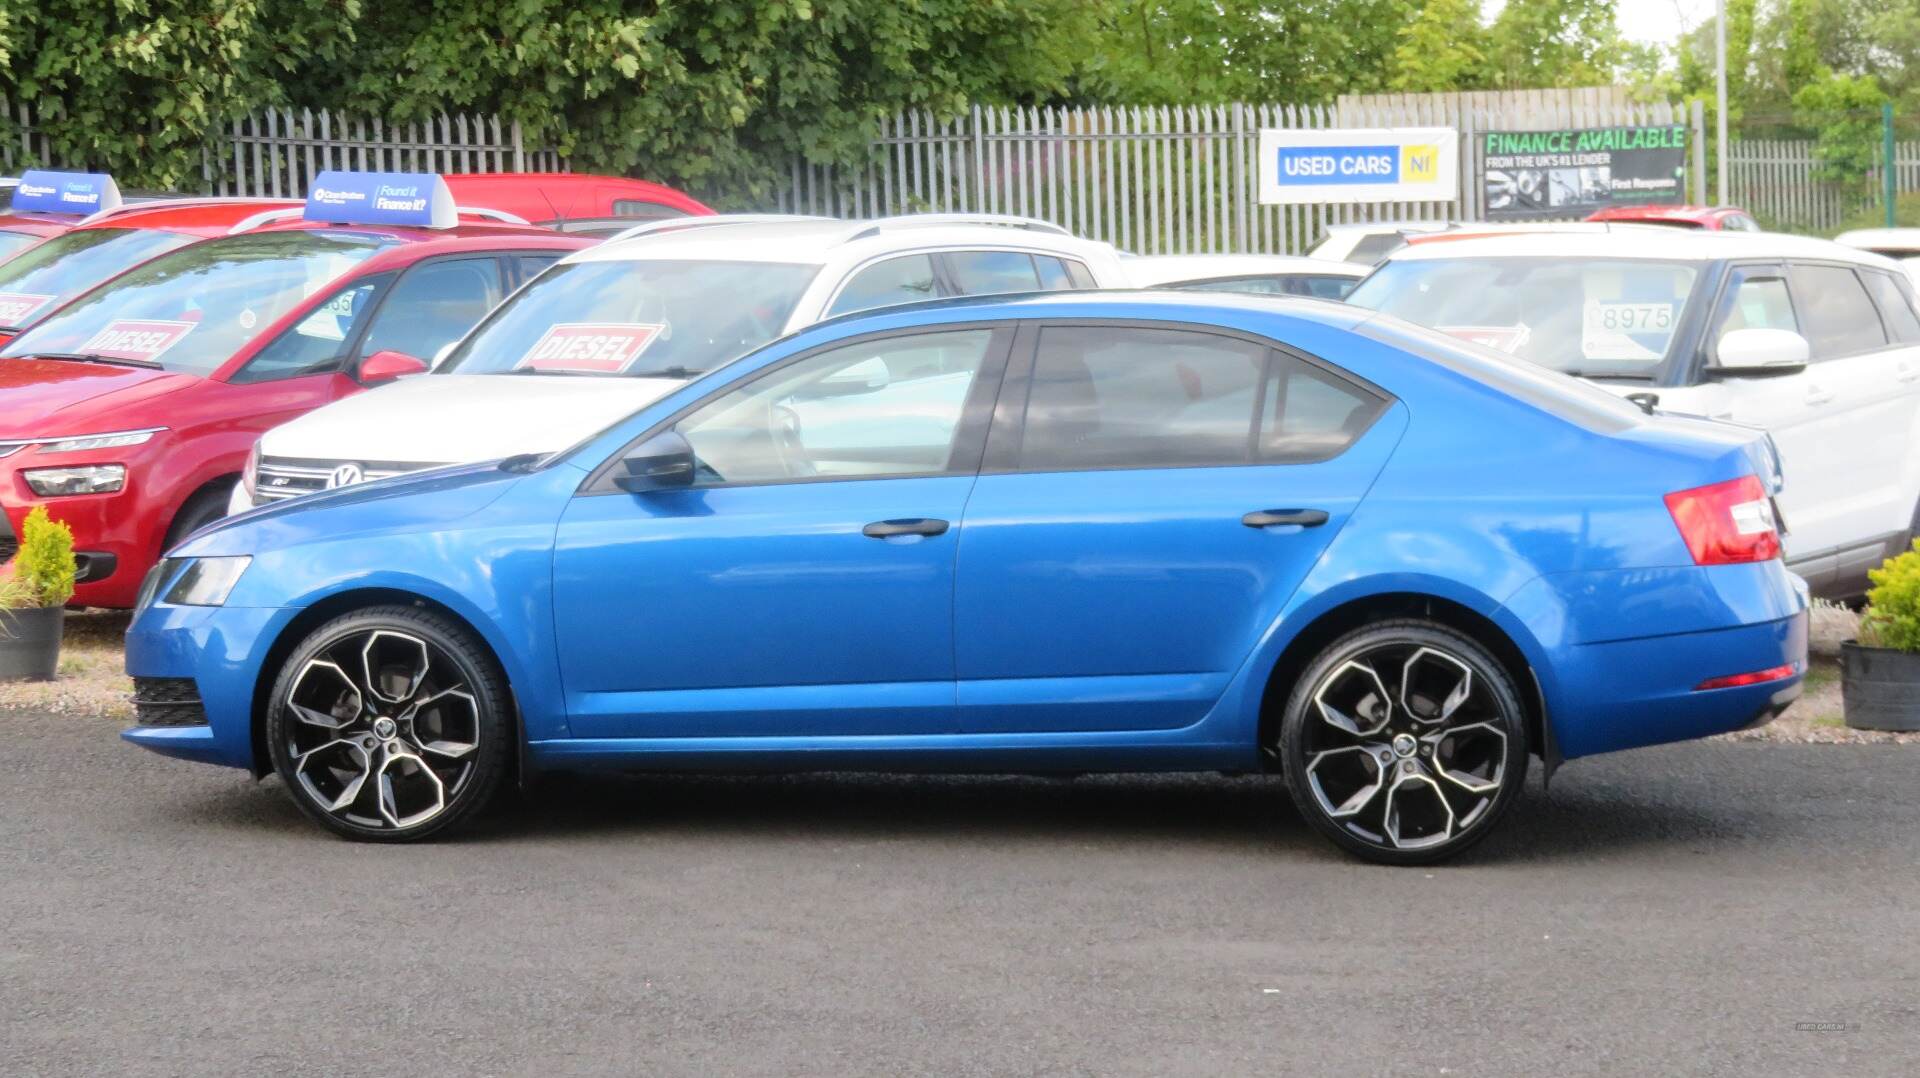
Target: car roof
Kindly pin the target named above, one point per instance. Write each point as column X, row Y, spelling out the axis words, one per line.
column 1898, row 239
column 1351, row 227
column 1150, row 304
column 1161, row 269
column 1644, row 243
column 1655, row 212
column 819, row 241
column 545, row 196
column 196, row 216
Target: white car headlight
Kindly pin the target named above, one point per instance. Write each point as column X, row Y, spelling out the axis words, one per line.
column 79, row 479
column 113, row 440
column 250, row 478
column 206, row 581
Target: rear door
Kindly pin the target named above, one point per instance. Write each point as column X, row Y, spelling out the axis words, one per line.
column 1150, row 499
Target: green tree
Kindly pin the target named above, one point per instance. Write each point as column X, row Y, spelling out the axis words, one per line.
column 1443, row 48
column 1555, row 43
column 1845, row 111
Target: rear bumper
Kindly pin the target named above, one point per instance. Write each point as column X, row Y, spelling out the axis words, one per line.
column 1629, row 649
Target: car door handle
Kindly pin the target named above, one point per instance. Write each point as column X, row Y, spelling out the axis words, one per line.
column 1816, row 395
column 887, row 529
column 1267, row 518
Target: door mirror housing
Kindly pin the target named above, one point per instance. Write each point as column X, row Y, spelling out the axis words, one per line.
column 387, row 365
column 662, row 462
column 866, row 376
column 1757, row 353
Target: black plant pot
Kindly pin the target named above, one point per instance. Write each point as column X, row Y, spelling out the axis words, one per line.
column 1880, row 687
column 30, row 643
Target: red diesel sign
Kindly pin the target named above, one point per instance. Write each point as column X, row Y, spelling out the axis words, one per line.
column 136, row 338
column 599, row 347
column 17, row 307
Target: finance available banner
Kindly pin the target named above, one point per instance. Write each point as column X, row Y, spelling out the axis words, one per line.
column 1571, row 172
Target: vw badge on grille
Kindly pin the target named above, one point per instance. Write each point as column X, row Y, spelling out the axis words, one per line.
column 345, row 475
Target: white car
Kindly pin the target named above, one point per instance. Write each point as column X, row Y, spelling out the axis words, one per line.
column 611, row 328
column 1900, row 244
column 1264, row 274
column 1815, row 342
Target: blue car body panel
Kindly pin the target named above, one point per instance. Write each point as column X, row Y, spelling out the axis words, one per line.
column 1118, row 619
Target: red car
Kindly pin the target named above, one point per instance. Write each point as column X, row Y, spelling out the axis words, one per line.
column 1712, row 218
column 557, row 199
column 77, row 257
column 130, row 411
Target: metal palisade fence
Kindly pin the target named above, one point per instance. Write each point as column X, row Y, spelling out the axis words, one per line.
column 1774, row 179
column 1169, row 179
column 278, row 152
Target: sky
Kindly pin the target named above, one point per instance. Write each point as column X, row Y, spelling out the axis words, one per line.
column 1653, row 21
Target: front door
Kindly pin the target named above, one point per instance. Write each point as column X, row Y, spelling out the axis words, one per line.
column 1152, row 498
column 803, row 586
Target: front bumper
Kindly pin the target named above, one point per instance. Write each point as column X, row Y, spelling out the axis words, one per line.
column 220, row 650
column 111, row 535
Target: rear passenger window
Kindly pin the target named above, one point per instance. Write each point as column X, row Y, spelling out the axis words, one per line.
column 1896, row 310
column 986, row 273
column 1120, row 397
column 1053, row 273
column 1839, row 318
column 644, row 210
column 897, row 280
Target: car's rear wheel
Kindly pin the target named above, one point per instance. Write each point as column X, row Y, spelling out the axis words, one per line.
column 390, row 724
column 1404, row 742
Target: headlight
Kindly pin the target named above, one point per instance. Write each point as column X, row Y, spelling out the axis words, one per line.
column 85, row 442
column 206, row 581
column 80, row 479
column 250, row 478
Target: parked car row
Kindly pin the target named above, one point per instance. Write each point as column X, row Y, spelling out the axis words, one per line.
column 766, row 491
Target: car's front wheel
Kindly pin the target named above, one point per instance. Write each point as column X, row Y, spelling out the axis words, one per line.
column 390, row 724
column 1404, row 742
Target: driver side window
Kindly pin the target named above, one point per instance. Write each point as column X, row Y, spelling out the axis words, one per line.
column 317, row 343
column 876, row 409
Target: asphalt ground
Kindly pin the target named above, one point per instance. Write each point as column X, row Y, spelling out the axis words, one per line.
column 1712, row 908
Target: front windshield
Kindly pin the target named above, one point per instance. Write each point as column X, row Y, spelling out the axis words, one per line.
column 190, row 310
column 634, row 317
column 12, row 243
column 1596, row 318
column 39, row 281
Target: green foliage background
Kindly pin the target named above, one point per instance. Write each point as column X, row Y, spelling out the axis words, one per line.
column 716, row 95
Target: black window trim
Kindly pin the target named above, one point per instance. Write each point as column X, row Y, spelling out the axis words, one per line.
column 1707, row 351
column 970, row 435
column 1902, row 286
column 1005, row 436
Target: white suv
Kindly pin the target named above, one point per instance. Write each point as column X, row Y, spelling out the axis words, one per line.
column 609, row 329
column 1815, row 342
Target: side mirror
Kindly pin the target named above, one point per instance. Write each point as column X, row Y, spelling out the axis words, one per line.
column 387, row 365
column 1756, row 353
column 866, row 376
column 662, row 462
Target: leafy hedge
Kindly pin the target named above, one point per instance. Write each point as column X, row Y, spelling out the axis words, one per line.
column 713, row 95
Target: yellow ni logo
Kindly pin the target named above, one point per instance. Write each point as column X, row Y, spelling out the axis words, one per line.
column 1420, row 164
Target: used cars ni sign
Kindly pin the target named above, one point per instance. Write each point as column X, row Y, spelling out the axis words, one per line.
column 1100, row 532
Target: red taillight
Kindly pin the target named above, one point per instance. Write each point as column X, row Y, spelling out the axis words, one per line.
column 1726, row 523
column 1775, row 673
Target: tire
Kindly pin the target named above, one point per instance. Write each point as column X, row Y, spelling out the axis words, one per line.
column 390, row 724
column 1427, row 775
column 203, row 508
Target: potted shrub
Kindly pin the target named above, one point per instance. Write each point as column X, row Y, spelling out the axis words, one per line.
column 1880, row 672
column 33, row 599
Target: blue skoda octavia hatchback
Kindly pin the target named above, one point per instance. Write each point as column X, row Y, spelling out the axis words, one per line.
column 1096, row 532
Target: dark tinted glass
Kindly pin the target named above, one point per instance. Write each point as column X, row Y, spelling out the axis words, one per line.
column 897, row 280
column 1837, row 316
column 1896, row 310
column 985, row 273
column 1123, row 397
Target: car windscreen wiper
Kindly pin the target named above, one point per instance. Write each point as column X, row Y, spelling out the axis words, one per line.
column 675, row 371
column 549, row 370
column 89, row 357
column 1618, row 376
